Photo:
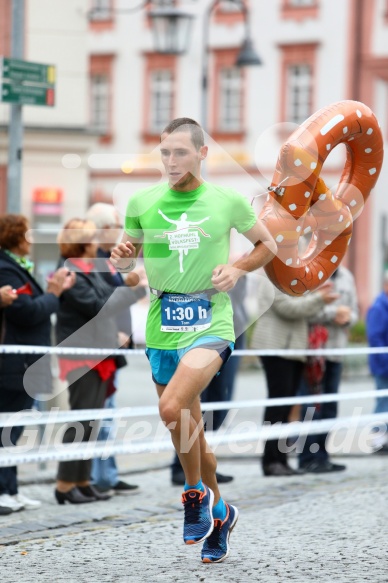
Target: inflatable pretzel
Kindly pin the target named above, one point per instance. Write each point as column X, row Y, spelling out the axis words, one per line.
column 299, row 202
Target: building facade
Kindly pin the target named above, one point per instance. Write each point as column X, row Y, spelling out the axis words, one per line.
column 314, row 53
column 57, row 140
column 111, row 82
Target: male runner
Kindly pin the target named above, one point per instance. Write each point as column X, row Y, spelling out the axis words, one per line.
column 184, row 226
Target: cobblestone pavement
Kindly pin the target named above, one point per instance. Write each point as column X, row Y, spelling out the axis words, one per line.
column 327, row 528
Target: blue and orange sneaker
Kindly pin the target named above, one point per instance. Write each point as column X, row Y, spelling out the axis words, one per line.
column 198, row 522
column 216, row 547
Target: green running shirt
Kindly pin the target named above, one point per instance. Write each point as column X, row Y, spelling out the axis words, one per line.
column 185, row 236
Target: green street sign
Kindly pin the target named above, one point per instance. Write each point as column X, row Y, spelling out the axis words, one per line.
column 23, row 71
column 26, row 94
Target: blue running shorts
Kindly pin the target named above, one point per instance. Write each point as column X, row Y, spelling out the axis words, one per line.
column 165, row 362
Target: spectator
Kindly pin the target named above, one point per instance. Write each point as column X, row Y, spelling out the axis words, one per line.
column 25, row 321
column 85, row 320
column 337, row 318
column 7, row 297
column 377, row 332
column 284, row 326
column 106, row 218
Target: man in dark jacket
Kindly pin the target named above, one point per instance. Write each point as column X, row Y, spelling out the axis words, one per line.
column 377, row 331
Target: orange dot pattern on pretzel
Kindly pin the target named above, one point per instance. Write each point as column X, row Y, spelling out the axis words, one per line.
column 299, row 202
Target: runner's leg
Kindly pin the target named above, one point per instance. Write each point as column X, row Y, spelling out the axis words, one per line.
column 193, row 374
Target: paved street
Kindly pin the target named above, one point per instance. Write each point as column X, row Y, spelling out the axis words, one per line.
column 305, row 528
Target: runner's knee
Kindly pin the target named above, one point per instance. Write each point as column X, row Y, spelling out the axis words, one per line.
column 170, row 411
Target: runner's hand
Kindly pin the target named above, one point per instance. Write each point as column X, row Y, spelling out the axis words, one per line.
column 121, row 254
column 225, row 277
column 137, row 278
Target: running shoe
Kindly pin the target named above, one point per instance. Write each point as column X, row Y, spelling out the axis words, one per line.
column 216, row 548
column 198, row 522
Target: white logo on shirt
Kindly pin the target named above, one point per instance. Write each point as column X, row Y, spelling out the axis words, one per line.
column 184, row 237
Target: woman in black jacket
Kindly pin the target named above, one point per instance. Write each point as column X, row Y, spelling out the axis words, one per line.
column 85, row 319
column 26, row 321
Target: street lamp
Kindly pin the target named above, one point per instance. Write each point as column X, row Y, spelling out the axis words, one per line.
column 170, row 26
column 171, row 30
column 247, row 55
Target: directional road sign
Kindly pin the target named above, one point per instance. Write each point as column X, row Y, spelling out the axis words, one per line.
column 24, row 71
column 27, row 94
column 25, row 83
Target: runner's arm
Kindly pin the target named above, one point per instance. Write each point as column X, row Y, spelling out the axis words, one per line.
column 264, row 249
column 123, row 255
column 225, row 276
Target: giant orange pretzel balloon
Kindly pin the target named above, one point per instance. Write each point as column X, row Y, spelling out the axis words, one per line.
column 299, row 202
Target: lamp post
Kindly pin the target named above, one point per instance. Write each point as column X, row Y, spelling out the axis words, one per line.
column 247, row 55
column 15, row 141
column 171, row 30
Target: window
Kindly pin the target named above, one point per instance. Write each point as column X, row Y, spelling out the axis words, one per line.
column 226, row 96
column 159, row 93
column 229, row 13
column 161, row 107
column 299, row 9
column 297, row 3
column 298, row 81
column 101, row 67
column 227, row 6
column 299, row 93
column 230, row 100
column 101, row 10
column 100, row 106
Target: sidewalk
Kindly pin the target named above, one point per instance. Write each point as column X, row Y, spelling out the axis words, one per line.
column 305, row 528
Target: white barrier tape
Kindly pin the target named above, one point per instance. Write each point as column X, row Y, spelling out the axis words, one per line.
column 72, row 351
column 57, row 416
column 76, row 351
column 87, row 450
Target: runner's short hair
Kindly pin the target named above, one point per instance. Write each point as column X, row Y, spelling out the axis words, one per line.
column 186, row 124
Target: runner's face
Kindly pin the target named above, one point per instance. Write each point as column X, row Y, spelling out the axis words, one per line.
column 181, row 160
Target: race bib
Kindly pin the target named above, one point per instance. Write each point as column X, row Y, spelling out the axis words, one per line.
column 185, row 313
